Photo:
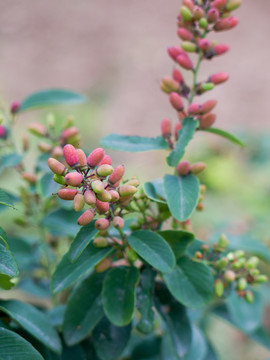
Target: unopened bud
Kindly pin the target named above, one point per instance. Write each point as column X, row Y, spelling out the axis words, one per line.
column 219, row 78
column 102, row 207
column 103, row 265
column 67, row 194
column 239, row 254
column 127, row 190
column 198, row 13
column 200, row 207
column 183, row 168
column 223, row 241
column 205, row 248
column 97, row 186
column 233, row 4
column 184, row 61
column 134, row 182
column 186, row 13
column 206, row 87
column 131, row 255
column 95, row 157
column 189, row 46
column 261, row 278
column 202, row 189
column 220, row 49
column 86, row 217
column 207, row 120
column 37, row 129
column 57, row 152
column 14, row 107
column 242, row 284
column 254, row 272
column 203, row 23
column 174, row 52
column 198, row 255
column 189, row 4
column 59, row 179
column 194, row 109
column 73, row 178
column 222, row 263
column 29, row 177
column 100, row 242
column 169, row 84
column 178, row 126
column 70, row 132
column 44, row 147
column 177, row 76
column 197, row 168
column 229, row 276
column 90, row 197
column 219, row 288
column 104, row 196
column 208, row 106
column 117, row 174
column 252, row 263
column 219, row 4
column 102, row 224
column 249, row 296
column 114, row 195
column 70, row 155
column 185, row 34
column 176, row 101
column 213, row 15
column 118, row 222
column 78, row 202
column 81, row 157
column 56, row 166
column 106, row 160
column 204, row 44
column 104, row 170
column 50, row 120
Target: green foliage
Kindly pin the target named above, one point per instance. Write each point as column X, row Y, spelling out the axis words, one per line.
column 225, row 135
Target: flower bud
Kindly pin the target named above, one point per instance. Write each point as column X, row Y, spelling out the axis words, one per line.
column 90, row 197
column 219, row 78
column 117, row 174
column 134, row 182
column 14, row 107
column 169, row 84
column 3, row 132
column 222, row 263
column 249, row 297
column 233, row 4
column 127, row 190
column 189, row 46
column 50, row 120
column 202, row 189
column 104, row 170
column 57, row 152
column 69, row 122
column 59, row 179
column 178, row 126
column 177, row 76
column 254, row 272
column 213, row 15
column 233, row 21
column 95, row 157
column 219, row 288
column 186, row 13
column 206, row 87
column 67, row 194
column 100, row 242
column 204, row 44
column 242, row 284
column 252, row 263
column 103, row 265
column 29, row 177
column 105, row 196
column 102, row 207
column 44, row 147
column 207, row 120
column 184, row 61
column 97, row 186
column 86, row 217
column 229, row 276
column 203, row 23
column 198, row 255
column 226, row 23
column 73, row 179
column 81, row 157
column 118, row 222
column 114, row 195
column 219, row 4
column 176, row 102
column 208, row 106
column 56, row 167
column 223, row 242
column 189, row 4
column 261, row 278
column 78, row 202
column 198, row 12
column 102, row 224
column 194, row 109
column 37, row 129
column 200, row 207
column 184, row 34
column 220, row 49
column 106, row 160
column 183, row 168
column 70, row 132
column 131, row 255
column 70, row 155
column 174, row 52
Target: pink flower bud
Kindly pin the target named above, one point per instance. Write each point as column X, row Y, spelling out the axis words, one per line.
column 78, row 202
column 207, row 120
column 177, row 76
column 166, row 128
column 86, row 217
column 103, row 265
column 56, row 167
column 184, row 61
column 181, row 115
column 177, row 127
column 3, row 132
column 208, row 106
column 102, row 224
column 197, row 168
column 90, row 197
column 68, row 133
column 204, row 44
column 67, row 194
column 14, row 107
column 198, row 13
column 44, row 147
column 117, row 174
column 29, row 177
column 233, row 21
column 127, row 190
column 213, row 15
column 106, row 160
column 95, row 157
column 189, row 4
column 183, row 168
column 37, row 129
column 114, row 195
column 73, row 179
column 176, row 101
column 57, row 152
column 219, row 78
column 219, row 4
column 81, row 157
column 226, row 23
column 174, row 52
column 194, row 109
column 104, row 170
column 118, row 222
column 184, row 34
column 70, row 155
column 104, row 196
column 102, row 206
column 221, row 49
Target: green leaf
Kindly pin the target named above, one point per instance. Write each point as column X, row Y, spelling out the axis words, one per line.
column 153, row 249
column 82, row 239
column 246, row 316
column 5, row 282
column 56, row 315
column 5, row 199
column 3, row 237
column 182, row 194
column 10, row 161
column 133, row 143
column 33, row 321
column 191, row 283
column 47, row 186
column 145, row 301
column 225, row 134
column 198, row 349
column 67, row 273
column 154, row 190
column 185, row 135
column 50, row 97
column 8, row 265
column 84, row 309
column 178, row 240
column 147, row 349
column 14, row 347
column 110, row 340
column 118, row 294
column 62, row 222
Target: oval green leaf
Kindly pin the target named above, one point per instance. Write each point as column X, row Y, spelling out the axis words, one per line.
column 153, row 249
column 8, row 265
column 225, row 135
column 14, row 347
column 84, row 309
column 182, row 194
column 190, row 282
column 118, row 294
column 154, row 190
column 33, row 321
column 50, row 97
column 133, row 143
column 178, row 240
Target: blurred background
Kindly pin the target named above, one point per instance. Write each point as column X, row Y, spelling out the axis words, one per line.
column 115, row 53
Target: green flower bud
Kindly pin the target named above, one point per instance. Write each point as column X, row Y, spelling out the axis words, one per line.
column 101, row 242
column 78, row 202
column 127, row 190
column 222, row 263
column 239, row 254
column 207, row 86
column 131, row 255
column 254, row 272
column 233, row 4
column 104, row 170
column 97, row 186
column 223, row 242
column 252, row 263
column 219, row 287
column 249, row 296
column 189, row 46
column 203, row 23
column 186, row 13
column 59, row 179
column 261, row 278
column 104, row 196
column 242, row 284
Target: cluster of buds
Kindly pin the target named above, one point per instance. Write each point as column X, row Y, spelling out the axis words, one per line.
column 233, row 270
column 196, row 20
column 92, row 181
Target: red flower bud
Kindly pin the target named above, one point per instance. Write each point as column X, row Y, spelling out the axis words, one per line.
column 208, row 106
column 207, row 120
column 184, row 61
column 219, row 4
column 178, row 126
column 117, row 174
column 86, row 217
column 219, row 78
column 73, row 179
column 81, row 157
column 68, row 133
column 56, row 167
column 194, row 109
column 233, row 21
column 197, row 168
column 44, row 147
column 183, row 168
column 95, row 157
column 166, row 128
column 114, row 195
column 67, row 194
column 189, row 4
column 184, row 34
column 226, row 23
column 177, row 76
column 204, row 44
column 30, row 177
column 70, row 155
column 118, row 222
column 221, row 49
column 3, row 132
column 106, row 160
column 174, row 52
column 14, row 107
column 102, row 224
column 213, row 15
column 78, row 202
column 90, row 197
column 102, row 207
column 176, row 101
